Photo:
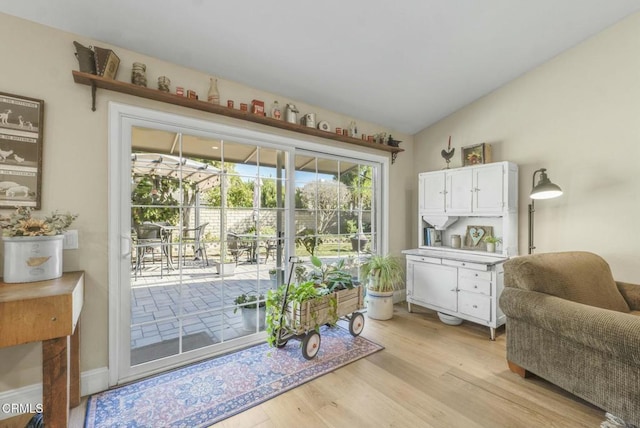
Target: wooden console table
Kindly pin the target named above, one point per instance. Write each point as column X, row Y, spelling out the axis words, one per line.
column 48, row 311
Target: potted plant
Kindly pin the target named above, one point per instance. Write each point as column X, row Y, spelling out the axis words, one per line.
column 253, row 309
column 383, row 275
column 491, row 242
column 33, row 247
column 226, row 267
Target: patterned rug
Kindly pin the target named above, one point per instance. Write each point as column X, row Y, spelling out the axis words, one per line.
column 207, row 392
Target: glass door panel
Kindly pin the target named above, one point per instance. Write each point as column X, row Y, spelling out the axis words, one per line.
column 207, row 220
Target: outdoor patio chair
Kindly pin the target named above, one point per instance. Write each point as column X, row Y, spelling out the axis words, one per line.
column 148, row 242
column 195, row 237
column 236, row 248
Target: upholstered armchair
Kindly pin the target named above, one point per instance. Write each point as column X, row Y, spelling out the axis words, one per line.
column 570, row 323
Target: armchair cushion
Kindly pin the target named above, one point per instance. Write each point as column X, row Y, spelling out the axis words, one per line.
column 578, row 276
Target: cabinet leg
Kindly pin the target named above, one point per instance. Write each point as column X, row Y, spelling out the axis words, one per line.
column 409, row 307
column 492, row 331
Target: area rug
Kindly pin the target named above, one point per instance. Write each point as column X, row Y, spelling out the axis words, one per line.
column 207, row 392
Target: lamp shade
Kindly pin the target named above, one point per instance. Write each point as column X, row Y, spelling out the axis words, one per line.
column 545, row 189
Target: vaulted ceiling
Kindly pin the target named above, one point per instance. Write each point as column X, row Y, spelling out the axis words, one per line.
column 403, row 64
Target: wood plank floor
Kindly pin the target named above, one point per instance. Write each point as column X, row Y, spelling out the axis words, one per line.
column 429, row 375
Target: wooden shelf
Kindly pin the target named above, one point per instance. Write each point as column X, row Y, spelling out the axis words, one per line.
column 165, row 97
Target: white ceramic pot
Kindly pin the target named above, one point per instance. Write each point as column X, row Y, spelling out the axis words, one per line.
column 32, row 258
column 226, row 269
column 379, row 305
column 491, row 247
column 249, row 318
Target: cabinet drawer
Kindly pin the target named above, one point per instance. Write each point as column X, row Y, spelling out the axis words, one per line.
column 475, row 305
column 475, row 286
column 467, row 265
column 425, row 259
column 474, row 274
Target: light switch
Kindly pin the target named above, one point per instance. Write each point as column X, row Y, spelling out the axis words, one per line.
column 70, row 240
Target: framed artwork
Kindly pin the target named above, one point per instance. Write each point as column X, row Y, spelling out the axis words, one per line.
column 473, row 239
column 476, row 155
column 21, row 121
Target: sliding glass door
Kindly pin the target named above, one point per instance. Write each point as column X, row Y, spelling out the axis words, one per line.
column 204, row 218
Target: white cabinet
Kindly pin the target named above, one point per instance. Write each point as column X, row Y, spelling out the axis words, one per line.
column 467, row 290
column 463, row 196
column 432, row 192
column 479, row 189
column 424, row 283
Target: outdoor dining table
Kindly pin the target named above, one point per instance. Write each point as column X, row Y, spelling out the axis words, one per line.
column 252, row 239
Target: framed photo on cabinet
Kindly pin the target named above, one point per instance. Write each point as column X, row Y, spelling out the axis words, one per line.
column 476, row 155
column 21, row 124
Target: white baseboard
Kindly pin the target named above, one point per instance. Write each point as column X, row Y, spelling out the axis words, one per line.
column 29, row 398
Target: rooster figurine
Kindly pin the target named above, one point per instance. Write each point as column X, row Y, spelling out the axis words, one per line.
column 448, row 154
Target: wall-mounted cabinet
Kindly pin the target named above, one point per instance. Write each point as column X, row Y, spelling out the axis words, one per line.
column 452, row 199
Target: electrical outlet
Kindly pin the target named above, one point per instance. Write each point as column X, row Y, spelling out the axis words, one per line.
column 70, row 240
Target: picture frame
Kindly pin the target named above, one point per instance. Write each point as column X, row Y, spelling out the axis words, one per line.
column 476, row 155
column 21, row 130
column 473, row 238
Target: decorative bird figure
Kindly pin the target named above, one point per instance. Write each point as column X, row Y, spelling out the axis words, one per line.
column 18, row 158
column 448, row 154
column 392, row 142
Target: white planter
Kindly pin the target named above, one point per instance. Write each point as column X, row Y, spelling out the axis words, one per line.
column 249, row 318
column 226, row 269
column 379, row 305
column 491, row 247
column 32, row 258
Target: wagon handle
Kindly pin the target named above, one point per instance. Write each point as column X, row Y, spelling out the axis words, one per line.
column 292, row 262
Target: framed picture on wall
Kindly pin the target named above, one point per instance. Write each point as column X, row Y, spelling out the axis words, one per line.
column 21, row 124
column 476, row 155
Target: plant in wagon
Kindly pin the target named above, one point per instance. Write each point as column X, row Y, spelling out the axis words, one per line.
column 279, row 319
column 383, row 275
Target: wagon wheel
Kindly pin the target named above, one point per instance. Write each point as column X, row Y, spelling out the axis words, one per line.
column 279, row 341
column 311, row 345
column 356, row 324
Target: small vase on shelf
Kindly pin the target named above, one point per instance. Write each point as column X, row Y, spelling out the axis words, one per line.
column 214, row 96
column 275, row 111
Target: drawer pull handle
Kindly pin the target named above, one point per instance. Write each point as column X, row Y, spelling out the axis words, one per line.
column 454, row 289
column 476, row 274
column 475, row 306
column 475, row 286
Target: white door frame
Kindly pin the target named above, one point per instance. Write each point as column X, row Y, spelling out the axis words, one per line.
column 122, row 118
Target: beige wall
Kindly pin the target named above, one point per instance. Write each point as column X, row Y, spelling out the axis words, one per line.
column 37, row 62
column 578, row 116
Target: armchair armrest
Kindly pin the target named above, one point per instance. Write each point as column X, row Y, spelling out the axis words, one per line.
column 631, row 293
column 612, row 332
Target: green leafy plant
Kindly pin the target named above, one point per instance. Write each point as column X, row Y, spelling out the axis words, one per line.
column 298, row 294
column 333, row 276
column 492, row 239
column 249, row 301
column 383, row 273
column 21, row 223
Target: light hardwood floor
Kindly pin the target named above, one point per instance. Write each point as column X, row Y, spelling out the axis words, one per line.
column 428, row 375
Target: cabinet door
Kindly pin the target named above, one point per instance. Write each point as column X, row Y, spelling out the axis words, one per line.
column 459, row 191
column 435, row 285
column 488, row 189
column 431, row 192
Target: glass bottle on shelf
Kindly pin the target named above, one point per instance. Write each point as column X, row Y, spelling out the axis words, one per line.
column 214, row 96
column 275, row 110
